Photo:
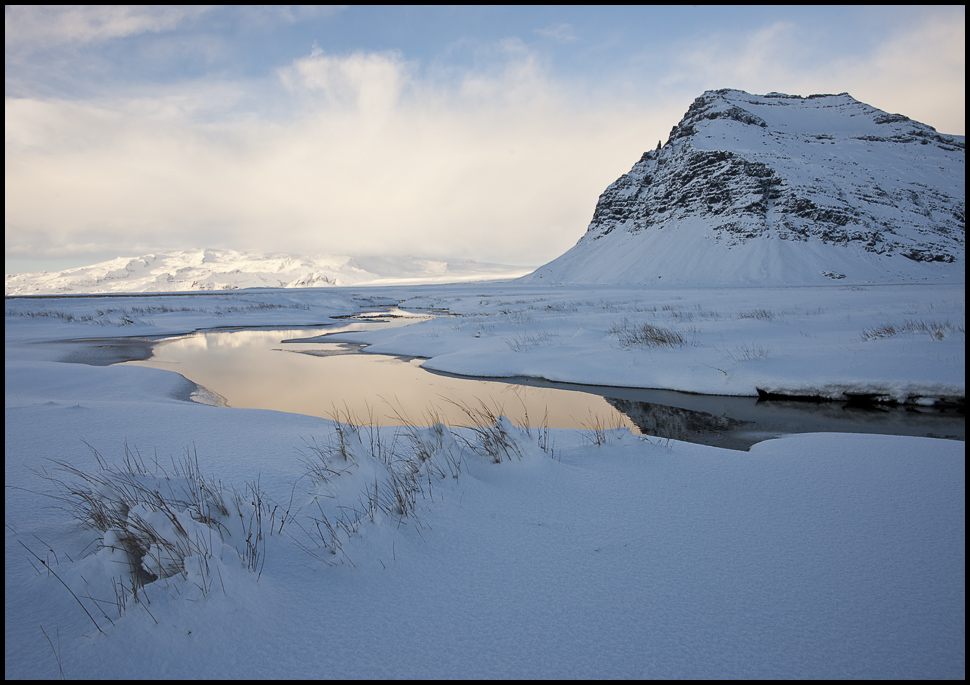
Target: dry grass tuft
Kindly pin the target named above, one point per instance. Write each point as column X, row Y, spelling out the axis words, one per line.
column 937, row 330
column 155, row 522
column 646, row 335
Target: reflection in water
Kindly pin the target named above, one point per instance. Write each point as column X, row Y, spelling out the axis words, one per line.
column 258, row 369
column 681, row 424
column 749, row 420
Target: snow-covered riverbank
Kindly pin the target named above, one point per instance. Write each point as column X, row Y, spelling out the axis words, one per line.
column 603, row 555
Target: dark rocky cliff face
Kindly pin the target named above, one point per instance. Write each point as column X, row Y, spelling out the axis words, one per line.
column 821, row 170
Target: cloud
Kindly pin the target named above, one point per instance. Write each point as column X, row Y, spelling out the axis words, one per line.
column 762, row 56
column 367, row 82
column 500, row 165
column 291, row 14
column 562, row 33
column 916, row 68
column 28, row 27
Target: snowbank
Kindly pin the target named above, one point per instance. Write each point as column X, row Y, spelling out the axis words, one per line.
column 491, row 553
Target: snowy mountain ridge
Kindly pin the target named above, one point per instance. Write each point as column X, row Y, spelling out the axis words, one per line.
column 211, row 269
column 780, row 189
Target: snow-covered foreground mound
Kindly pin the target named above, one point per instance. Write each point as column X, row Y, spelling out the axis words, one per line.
column 312, row 549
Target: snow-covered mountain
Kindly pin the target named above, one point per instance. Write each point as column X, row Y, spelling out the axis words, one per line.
column 230, row 270
column 780, row 189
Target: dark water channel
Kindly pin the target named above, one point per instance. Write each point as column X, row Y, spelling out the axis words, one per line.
column 300, row 371
column 739, row 422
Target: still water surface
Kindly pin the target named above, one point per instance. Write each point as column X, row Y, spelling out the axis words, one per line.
column 300, row 371
column 256, row 368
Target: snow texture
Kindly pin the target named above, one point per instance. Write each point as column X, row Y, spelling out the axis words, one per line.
column 319, row 549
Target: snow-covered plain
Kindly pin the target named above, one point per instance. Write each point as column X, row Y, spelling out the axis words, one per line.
column 417, row 553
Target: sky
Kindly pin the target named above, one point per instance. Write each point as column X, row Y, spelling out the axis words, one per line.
column 482, row 133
